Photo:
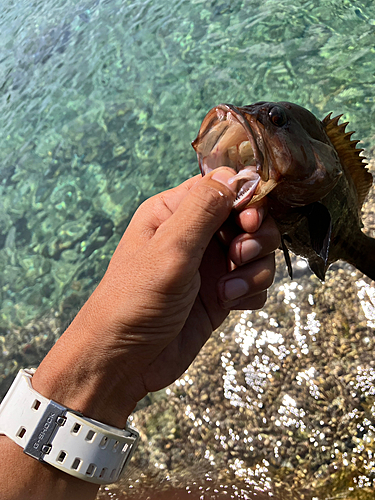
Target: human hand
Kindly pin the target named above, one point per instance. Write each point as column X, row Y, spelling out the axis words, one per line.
column 172, row 280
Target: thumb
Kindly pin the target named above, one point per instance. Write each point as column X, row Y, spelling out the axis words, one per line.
column 201, row 212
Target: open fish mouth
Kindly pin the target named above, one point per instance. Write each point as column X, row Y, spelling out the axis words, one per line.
column 227, row 139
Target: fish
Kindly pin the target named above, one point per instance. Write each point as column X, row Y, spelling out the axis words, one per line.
column 313, row 174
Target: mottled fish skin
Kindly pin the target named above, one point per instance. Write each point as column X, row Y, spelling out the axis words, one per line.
column 346, row 240
column 310, row 170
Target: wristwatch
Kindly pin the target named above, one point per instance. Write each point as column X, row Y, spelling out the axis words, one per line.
column 64, row 438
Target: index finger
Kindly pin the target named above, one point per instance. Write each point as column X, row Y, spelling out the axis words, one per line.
column 172, row 197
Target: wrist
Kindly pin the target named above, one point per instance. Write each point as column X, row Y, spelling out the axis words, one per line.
column 51, row 433
column 81, row 373
column 94, row 396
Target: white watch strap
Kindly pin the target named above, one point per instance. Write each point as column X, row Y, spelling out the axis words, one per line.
column 54, row 434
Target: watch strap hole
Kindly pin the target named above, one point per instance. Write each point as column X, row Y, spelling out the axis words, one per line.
column 76, row 463
column 61, row 456
column 21, row 432
column 103, row 443
column 76, row 427
column 36, row 404
column 90, row 435
column 103, row 472
column 91, row 469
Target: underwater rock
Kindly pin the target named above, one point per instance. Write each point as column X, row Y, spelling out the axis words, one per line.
column 25, row 347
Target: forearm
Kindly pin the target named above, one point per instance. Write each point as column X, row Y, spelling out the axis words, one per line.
column 85, row 370
column 77, row 375
column 23, row 477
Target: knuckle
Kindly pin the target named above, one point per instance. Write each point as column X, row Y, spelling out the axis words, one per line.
column 210, row 199
column 264, row 279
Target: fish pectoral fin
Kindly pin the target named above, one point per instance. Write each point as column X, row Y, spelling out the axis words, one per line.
column 287, row 257
column 320, row 228
column 318, row 267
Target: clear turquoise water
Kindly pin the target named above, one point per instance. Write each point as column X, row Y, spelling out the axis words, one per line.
column 100, row 100
column 99, row 103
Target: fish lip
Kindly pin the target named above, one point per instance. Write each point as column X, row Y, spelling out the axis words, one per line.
column 245, row 200
column 208, row 161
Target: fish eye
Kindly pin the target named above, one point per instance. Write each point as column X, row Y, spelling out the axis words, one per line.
column 278, row 116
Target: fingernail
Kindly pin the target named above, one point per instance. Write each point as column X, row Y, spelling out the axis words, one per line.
column 235, row 288
column 249, row 249
column 223, row 176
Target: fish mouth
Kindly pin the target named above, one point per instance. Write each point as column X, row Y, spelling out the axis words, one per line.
column 226, row 138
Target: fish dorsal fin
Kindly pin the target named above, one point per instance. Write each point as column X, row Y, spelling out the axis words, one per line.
column 353, row 164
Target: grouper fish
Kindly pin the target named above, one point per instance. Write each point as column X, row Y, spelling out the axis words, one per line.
column 311, row 171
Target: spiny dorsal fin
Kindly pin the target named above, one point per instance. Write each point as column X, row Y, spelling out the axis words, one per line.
column 349, row 155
